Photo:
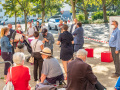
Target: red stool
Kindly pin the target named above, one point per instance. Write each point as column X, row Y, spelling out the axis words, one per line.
column 0, row 52
column 90, row 52
column 106, row 56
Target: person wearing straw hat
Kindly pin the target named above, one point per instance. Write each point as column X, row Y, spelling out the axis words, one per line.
column 51, row 70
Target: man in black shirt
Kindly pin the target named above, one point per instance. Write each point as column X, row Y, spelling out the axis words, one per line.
column 38, row 26
column 10, row 31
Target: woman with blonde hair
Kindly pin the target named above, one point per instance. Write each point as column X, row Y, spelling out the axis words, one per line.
column 6, row 49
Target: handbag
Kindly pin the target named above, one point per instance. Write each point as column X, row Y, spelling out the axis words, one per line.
column 20, row 45
column 41, row 86
column 32, row 57
column 99, row 86
column 9, row 85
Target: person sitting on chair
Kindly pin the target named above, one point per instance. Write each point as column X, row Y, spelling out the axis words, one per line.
column 51, row 70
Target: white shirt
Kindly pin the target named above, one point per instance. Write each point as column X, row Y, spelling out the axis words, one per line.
column 31, row 30
column 73, row 28
column 39, row 43
column 44, row 27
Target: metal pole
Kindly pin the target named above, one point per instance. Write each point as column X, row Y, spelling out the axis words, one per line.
column 6, row 62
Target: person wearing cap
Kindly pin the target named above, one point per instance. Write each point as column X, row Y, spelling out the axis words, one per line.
column 51, row 70
column 47, row 39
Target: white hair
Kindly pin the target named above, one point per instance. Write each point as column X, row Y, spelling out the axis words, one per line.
column 81, row 52
column 18, row 57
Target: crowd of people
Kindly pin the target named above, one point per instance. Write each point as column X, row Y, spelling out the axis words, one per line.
column 78, row 73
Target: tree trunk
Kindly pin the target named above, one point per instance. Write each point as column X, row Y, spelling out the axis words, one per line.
column 86, row 14
column 104, row 10
column 51, row 13
column 73, row 9
column 43, row 10
column 43, row 16
column 15, row 20
column 25, row 17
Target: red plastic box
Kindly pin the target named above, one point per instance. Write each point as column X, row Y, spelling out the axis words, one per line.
column 90, row 52
column 0, row 52
column 106, row 56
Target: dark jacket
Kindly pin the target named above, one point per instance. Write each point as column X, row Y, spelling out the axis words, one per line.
column 38, row 28
column 78, row 33
column 11, row 32
column 80, row 76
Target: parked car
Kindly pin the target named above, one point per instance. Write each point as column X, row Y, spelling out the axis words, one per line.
column 53, row 23
column 40, row 21
column 10, row 21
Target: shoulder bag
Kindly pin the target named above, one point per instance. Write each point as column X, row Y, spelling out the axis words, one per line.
column 32, row 57
column 9, row 85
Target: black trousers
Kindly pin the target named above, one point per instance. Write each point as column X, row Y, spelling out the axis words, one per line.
column 7, row 56
column 37, row 65
column 116, row 61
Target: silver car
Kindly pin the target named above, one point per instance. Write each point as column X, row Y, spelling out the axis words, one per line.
column 53, row 23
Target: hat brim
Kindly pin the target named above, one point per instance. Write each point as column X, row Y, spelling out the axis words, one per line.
column 45, row 53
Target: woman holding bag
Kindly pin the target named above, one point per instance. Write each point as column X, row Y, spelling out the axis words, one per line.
column 6, row 49
column 37, row 47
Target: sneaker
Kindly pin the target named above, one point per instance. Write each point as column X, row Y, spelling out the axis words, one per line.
column 37, row 82
column 114, row 76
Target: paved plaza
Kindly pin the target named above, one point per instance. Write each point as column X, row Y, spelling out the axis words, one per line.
column 102, row 70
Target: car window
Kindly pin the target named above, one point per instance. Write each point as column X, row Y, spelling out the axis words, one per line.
column 51, row 20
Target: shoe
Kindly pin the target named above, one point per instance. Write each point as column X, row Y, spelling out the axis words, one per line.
column 37, row 82
column 65, row 78
column 4, row 80
column 114, row 76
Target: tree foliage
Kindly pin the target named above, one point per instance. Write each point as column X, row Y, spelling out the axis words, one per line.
column 46, row 6
column 26, row 7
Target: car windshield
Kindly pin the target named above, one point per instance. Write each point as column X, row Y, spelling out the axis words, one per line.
column 57, row 20
column 56, row 17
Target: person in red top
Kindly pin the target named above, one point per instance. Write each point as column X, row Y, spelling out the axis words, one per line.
column 20, row 73
column 60, row 26
column 15, row 41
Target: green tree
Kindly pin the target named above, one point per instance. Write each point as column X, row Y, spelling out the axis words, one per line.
column 85, row 6
column 26, row 7
column 106, row 4
column 73, row 4
column 12, row 9
column 46, row 6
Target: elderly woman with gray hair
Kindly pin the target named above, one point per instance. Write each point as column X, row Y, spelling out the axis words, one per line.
column 20, row 73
